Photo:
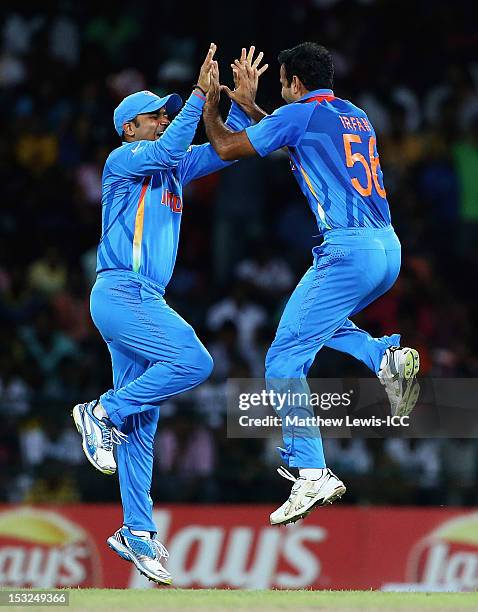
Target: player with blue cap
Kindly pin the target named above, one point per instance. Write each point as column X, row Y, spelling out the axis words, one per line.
column 155, row 353
column 143, row 102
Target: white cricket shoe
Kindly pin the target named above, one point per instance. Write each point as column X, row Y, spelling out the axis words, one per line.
column 98, row 437
column 307, row 494
column 397, row 373
column 146, row 553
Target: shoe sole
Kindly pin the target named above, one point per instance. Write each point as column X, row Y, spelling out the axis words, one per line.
column 123, row 552
column 334, row 496
column 76, row 414
column 411, row 365
column 410, row 369
column 409, row 400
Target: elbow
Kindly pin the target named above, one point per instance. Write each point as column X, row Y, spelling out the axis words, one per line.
column 174, row 159
column 226, row 153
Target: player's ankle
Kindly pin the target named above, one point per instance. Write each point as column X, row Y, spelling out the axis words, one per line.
column 140, row 533
column 311, row 473
column 99, row 412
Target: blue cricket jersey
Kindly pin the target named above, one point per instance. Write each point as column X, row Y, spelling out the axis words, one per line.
column 142, row 198
column 333, row 155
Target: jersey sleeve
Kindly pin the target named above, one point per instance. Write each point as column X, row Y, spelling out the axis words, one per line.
column 283, row 128
column 203, row 159
column 145, row 157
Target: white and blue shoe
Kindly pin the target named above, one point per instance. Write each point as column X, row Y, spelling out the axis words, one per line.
column 98, row 437
column 146, row 553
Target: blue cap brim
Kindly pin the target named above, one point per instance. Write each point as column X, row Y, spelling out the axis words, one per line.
column 172, row 103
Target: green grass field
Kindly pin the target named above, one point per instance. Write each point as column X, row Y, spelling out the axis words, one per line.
column 263, row 601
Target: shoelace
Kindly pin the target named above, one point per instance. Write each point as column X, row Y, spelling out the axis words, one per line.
column 110, row 436
column 286, row 474
column 161, row 550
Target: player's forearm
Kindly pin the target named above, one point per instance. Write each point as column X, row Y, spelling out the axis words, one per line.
column 219, row 135
column 254, row 112
column 179, row 135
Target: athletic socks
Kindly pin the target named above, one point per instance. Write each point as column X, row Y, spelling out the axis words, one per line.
column 99, row 412
column 141, row 534
column 312, row 473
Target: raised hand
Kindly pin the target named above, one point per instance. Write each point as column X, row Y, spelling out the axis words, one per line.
column 214, row 91
column 204, row 78
column 246, row 72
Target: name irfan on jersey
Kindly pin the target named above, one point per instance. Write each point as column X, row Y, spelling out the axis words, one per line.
column 357, row 124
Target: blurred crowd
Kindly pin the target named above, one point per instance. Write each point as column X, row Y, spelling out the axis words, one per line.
column 246, row 235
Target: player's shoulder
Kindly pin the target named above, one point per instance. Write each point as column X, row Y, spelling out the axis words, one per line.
column 294, row 109
column 128, row 148
column 344, row 106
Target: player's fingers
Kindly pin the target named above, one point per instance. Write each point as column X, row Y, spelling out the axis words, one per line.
column 250, row 55
column 243, row 54
column 227, row 90
column 210, row 54
column 263, row 69
column 258, row 60
column 241, row 67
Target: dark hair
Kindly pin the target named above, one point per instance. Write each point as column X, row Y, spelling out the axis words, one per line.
column 311, row 63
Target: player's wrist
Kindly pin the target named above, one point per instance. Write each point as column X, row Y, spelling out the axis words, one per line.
column 198, row 95
column 211, row 109
column 200, row 88
column 248, row 105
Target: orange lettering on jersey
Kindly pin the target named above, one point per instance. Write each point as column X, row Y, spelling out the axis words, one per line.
column 176, row 205
column 357, row 124
column 172, row 200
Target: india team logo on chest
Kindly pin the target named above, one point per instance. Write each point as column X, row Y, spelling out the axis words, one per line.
column 172, row 200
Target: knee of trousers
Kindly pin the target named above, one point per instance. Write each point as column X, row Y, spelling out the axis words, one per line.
column 277, row 365
column 200, row 364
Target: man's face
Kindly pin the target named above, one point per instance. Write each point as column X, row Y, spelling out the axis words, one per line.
column 286, row 91
column 147, row 126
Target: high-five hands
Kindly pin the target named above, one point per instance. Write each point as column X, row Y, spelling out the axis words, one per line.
column 204, row 78
column 214, row 92
column 246, row 72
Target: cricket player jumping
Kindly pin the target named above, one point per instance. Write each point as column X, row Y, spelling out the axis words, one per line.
column 155, row 354
column 333, row 155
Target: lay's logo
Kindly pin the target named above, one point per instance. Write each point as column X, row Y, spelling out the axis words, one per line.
column 42, row 549
column 447, row 558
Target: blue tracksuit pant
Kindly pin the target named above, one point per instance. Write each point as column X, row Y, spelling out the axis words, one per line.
column 351, row 268
column 154, row 354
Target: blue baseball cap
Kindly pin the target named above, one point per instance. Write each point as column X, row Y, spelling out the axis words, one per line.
column 143, row 102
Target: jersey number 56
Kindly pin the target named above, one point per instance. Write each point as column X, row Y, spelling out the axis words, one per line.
column 370, row 166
